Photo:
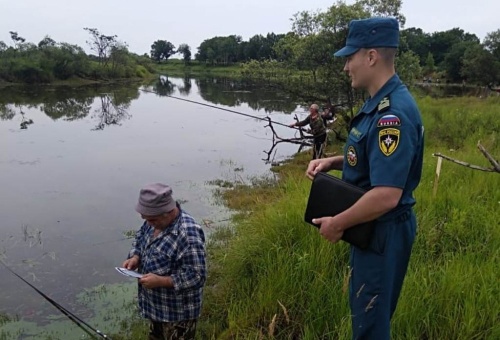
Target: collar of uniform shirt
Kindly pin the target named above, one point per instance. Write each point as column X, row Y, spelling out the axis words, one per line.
column 372, row 103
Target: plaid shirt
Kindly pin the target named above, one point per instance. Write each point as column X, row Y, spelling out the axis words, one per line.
column 178, row 252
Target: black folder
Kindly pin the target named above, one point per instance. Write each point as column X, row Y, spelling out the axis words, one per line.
column 330, row 196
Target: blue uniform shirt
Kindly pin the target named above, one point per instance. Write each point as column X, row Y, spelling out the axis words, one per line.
column 385, row 143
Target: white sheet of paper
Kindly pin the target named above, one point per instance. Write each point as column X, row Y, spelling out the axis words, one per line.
column 127, row 272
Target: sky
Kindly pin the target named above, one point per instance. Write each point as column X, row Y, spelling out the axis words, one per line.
column 139, row 24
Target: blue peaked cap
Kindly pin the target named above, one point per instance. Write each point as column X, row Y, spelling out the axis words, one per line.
column 370, row 33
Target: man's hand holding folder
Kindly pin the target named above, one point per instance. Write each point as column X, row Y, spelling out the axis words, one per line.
column 329, row 228
column 341, row 210
column 328, row 199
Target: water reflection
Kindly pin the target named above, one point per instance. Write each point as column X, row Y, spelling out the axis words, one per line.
column 163, row 86
column 7, row 111
column 69, row 103
column 185, row 89
column 80, row 178
column 231, row 92
column 113, row 101
column 111, row 111
column 72, row 108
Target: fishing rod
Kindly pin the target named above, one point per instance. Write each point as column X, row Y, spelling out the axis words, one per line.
column 221, row 108
column 79, row 322
column 267, row 119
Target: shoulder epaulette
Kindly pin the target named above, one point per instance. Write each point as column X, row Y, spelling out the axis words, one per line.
column 384, row 104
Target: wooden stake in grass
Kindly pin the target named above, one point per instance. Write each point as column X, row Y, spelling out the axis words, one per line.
column 436, row 179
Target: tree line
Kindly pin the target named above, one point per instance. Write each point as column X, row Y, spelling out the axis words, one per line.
column 49, row 60
column 457, row 55
column 305, row 52
column 453, row 55
column 221, row 50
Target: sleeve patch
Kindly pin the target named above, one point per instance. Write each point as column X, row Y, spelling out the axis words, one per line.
column 389, row 120
column 388, row 140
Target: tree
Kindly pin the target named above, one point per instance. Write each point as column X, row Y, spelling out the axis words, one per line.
column 220, row 50
column 162, row 50
column 18, row 40
column 185, row 50
column 429, row 64
column 101, row 44
column 408, row 66
column 3, row 46
column 454, row 60
column 414, row 39
column 385, row 8
column 492, row 43
column 441, row 43
column 309, row 49
column 46, row 42
column 480, row 66
column 120, row 60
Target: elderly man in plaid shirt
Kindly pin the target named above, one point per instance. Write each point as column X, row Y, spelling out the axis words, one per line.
column 169, row 250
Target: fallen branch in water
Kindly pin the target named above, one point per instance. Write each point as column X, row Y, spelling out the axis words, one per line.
column 302, row 141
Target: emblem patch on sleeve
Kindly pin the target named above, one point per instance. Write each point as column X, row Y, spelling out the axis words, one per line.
column 388, row 140
column 389, row 120
column 352, row 157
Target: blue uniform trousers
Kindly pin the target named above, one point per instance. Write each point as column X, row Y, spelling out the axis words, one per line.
column 377, row 276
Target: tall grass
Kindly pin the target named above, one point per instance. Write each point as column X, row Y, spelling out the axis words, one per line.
column 272, row 275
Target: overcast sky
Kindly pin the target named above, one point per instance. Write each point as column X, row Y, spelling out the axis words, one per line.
column 140, row 23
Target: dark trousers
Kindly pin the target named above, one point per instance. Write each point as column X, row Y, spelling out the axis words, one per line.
column 318, row 147
column 182, row 330
column 377, row 276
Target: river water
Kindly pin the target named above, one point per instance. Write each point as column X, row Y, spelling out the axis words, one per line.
column 72, row 162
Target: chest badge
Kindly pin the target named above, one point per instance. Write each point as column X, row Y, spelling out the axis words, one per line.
column 352, row 157
column 388, row 140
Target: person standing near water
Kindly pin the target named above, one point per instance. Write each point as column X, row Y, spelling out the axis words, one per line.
column 318, row 130
column 169, row 249
column 383, row 155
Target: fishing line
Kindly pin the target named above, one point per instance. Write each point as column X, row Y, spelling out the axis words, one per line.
column 79, row 322
column 220, row 108
column 267, row 119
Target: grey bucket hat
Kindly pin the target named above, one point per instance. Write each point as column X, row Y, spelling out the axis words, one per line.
column 155, row 199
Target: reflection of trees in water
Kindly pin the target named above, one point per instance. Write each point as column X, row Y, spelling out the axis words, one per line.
column 69, row 108
column 163, row 87
column 234, row 93
column 7, row 112
column 185, row 90
column 70, row 103
column 111, row 111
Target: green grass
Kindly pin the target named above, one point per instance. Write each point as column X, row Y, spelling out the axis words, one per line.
column 176, row 67
column 273, row 275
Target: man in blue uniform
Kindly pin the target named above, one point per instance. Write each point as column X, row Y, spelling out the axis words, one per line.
column 383, row 154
